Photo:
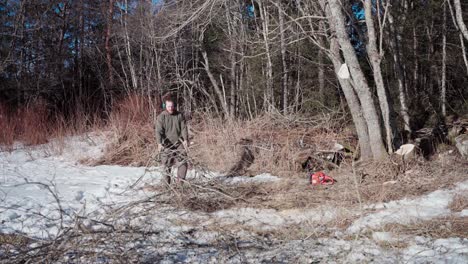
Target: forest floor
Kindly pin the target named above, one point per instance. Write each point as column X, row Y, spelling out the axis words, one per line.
column 55, row 207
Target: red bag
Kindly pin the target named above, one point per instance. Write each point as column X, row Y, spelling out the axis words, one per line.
column 320, row 178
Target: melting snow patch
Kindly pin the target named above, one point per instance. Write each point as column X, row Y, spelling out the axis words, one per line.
column 383, row 236
column 406, row 210
column 464, row 213
column 268, row 219
column 265, row 177
column 450, row 250
column 32, row 180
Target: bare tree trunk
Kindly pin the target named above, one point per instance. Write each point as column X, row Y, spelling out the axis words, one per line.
column 285, row 87
column 128, row 49
column 415, row 55
column 353, row 103
column 110, row 12
column 80, row 48
column 297, row 90
column 321, row 77
column 395, row 45
column 459, row 16
column 214, row 82
column 269, row 96
column 462, row 43
column 349, row 92
column 232, row 58
column 375, row 57
column 432, row 65
column 443, row 89
column 360, row 82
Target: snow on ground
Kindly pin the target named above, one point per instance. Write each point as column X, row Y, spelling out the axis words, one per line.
column 33, row 180
column 36, row 183
column 406, row 211
column 264, row 177
column 270, row 219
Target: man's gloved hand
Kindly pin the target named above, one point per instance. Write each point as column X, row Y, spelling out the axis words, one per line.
column 160, row 147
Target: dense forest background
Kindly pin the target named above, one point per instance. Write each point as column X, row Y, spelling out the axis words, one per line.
column 238, row 59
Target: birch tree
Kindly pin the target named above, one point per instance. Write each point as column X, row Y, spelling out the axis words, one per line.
column 360, row 82
column 375, row 55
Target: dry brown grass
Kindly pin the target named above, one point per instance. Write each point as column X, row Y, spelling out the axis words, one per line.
column 294, row 193
column 376, row 182
column 7, row 133
column 132, row 127
column 29, row 124
column 279, row 144
column 459, row 203
column 34, row 124
column 435, row 228
column 13, row 240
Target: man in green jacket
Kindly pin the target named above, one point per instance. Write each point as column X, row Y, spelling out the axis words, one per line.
column 172, row 139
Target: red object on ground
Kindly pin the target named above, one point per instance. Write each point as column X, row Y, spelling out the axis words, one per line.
column 320, row 178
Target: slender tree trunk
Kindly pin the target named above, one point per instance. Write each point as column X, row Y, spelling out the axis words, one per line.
column 375, row 57
column 432, row 73
column 232, row 59
column 215, row 84
column 110, row 12
column 128, row 49
column 269, row 96
column 353, row 103
column 459, row 16
column 394, row 41
column 462, row 44
column 284, row 78
column 348, row 91
column 81, row 50
column 321, row 77
column 297, row 90
column 360, row 82
column 443, row 89
column 415, row 56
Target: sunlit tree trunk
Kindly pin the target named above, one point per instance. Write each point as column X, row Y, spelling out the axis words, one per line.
column 352, row 101
column 459, row 16
column 375, row 57
column 360, row 82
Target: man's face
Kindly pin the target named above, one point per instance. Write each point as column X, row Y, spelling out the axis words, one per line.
column 170, row 107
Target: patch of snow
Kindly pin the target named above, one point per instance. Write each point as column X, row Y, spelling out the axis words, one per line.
column 383, row 237
column 449, row 250
column 405, row 211
column 265, row 218
column 41, row 190
column 269, row 219
column 464, row 213
column 264, row 177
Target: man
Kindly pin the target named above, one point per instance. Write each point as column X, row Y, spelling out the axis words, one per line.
column 172, row 139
